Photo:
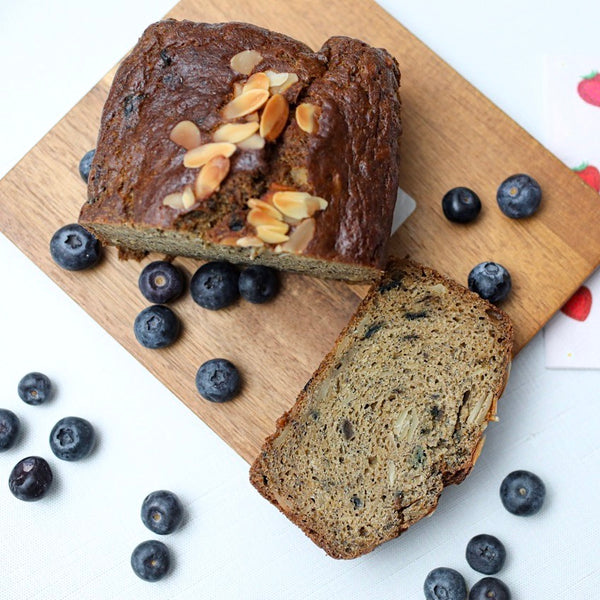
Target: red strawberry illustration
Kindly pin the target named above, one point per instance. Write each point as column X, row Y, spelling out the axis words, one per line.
column 578, row 306
column 589, row 174
column 589, row 88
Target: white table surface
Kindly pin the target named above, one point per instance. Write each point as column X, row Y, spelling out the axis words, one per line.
column 76, row 543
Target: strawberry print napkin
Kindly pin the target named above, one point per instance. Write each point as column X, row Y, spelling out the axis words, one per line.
column 572, row 125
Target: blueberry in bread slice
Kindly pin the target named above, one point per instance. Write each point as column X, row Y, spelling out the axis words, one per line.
column 228, row 141
column 394, row 413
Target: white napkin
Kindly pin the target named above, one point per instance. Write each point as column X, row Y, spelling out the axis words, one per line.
column 572, row 123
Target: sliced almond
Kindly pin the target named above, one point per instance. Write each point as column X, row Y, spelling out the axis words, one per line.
column 265, row 207
column 252, row 117
column 174, row 200
column 244, row 61
column 307, row 117
column 197, row 157
column 188, row 198
column 254, row 142
column 186, row 134
column 323, row 204
column 257, row 217
column 276, row 79
column 234, row 132
column 249, row 241
column 298, row 205
column 289, row 81
column 300, row 237
column 268, row 234
column 292, row 204
column 314, row 203
column 274, row 117
column 291, row 221
column 258, row 81
column 245, row 104
column 229, row 241
column 238, row 89
column 211, row 176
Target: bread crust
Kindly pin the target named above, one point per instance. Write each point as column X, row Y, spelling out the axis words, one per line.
column 180, row 70
column 259, row 470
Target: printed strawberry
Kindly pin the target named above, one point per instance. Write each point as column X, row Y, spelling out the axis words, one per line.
column 589, row 174
column 578, row 306
column 589, row 88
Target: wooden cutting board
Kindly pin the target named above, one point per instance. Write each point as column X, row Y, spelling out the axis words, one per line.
column 453, row 136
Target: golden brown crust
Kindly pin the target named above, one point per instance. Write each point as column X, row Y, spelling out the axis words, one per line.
column 260, row 470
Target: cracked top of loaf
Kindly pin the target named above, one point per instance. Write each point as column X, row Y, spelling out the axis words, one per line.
column 231, row 140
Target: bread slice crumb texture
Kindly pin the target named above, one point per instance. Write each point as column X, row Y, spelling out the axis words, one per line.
column 394, row 413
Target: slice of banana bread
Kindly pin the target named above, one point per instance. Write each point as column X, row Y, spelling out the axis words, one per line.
column 395, row 412
column 234, row 142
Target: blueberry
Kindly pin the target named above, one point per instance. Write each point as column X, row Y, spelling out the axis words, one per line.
column 486, row 554
column 519, row 196
column 215, row 285
column 85, row 164
column 9, row 428
column 151, row 560
column 445, row 584
column 34, row 388
column 490, row 280
column 74, row 248
column 218, row 380
column 522, row 493
column 489, row 588
column 258, row 284
column 30, row 478
column 156, row 327
column 162, row 512
column 161, row 282
column 461, row 205
column 72, row 438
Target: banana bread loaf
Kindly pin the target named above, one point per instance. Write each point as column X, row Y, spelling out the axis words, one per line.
column 395, row 412
column 233, row 142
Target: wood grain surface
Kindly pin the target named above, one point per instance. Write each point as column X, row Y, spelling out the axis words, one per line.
column 453, row 136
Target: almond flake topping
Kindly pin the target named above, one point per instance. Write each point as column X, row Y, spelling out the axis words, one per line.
column 245, row 104
column 257, row 217
column 298, row 205
column 188, row 198
column 254, row 142
column 250, row 241
column 186, row 134
column 307, row 117
column 211, row 176
column 270, row 235
column 174, row 200
column 265, row 207
column 235, row 132
column 180, row 200
column 289, row 81
column 258, row 81
column 300, row 237
column 245, row 61
column 238, row 89
column 198, row 157
column 274, row 117
column 276, row 79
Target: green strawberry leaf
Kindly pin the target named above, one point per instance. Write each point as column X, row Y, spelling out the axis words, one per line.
column 591, row 75
column 582, row 167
